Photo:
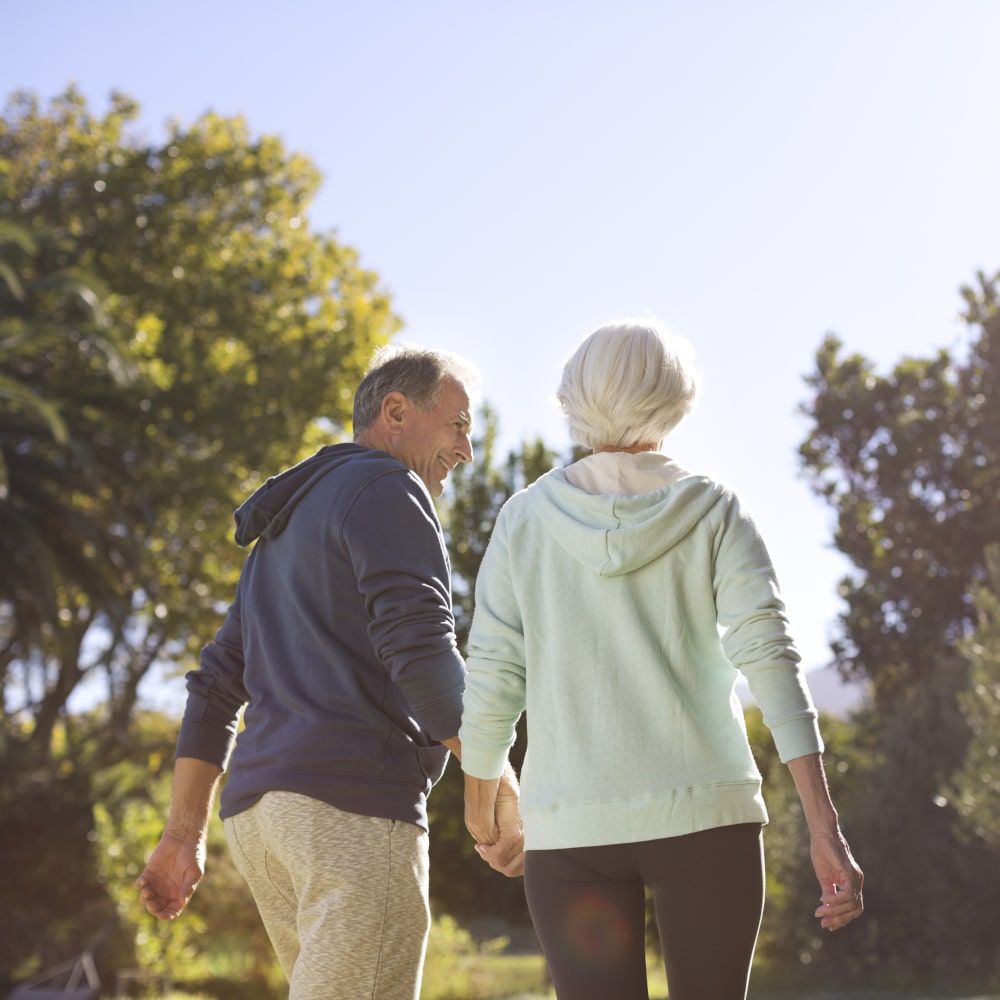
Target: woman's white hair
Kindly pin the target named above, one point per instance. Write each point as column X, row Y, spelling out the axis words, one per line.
column 630, row 382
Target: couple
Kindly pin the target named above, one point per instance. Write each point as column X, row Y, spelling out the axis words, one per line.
column 616, row 602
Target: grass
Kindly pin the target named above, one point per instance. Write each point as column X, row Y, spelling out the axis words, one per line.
column 522, row 977
column 500, row 976
column 487, row 977
column 459, row 967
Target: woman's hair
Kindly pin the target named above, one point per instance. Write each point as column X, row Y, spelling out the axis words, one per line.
column 630, row 382
column 419, row 373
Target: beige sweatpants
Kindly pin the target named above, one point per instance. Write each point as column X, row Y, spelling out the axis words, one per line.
column 343, row 897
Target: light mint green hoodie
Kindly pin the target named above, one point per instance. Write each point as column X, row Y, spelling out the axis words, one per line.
column 616, row 603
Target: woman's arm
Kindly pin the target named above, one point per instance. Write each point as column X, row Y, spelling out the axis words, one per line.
column 841, row 880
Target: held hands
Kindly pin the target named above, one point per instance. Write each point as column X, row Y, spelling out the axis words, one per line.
column 506, row 853
column 840, row 879
column 492, row 817
column 171, row 875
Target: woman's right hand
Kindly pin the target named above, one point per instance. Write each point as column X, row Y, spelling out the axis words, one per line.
column 841, row 880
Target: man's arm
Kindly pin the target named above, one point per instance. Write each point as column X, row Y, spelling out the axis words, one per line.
column 177, row 863
column 840, row 878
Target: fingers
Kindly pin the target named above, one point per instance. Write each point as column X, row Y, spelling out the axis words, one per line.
column 154, row 903
column 841, row 904
column 158, row 906
column 161, row 898
column 841, row 881
column 503, row 856
column 834, row 916
column 492, row 818
column 505, row 851
column 483, row 831
column 480, row 821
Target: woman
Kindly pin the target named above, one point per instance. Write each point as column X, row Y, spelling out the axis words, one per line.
column 617, row 601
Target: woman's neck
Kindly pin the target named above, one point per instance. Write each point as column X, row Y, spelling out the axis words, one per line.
column 632, row 449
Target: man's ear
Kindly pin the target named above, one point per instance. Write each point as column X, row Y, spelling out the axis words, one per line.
column 394, row 407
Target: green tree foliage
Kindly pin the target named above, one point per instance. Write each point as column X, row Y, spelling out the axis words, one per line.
column 64, row 482
column 910, row 462
column 74, row 838
column 220, row 934
column 975, row 787
column 50, row 900
column 172, row 331
column 791, row 945
column 478, row 492
column 62, row 376
column 246, row 329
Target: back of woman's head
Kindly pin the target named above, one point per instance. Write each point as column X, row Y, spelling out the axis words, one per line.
column 630, row 382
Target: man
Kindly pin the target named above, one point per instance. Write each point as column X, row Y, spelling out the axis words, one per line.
column 340, row 643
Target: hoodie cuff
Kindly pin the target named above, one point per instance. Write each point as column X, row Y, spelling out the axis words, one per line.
column 797, row 737
column 479, row 762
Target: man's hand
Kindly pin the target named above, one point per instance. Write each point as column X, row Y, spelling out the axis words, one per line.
column 492, row 817
column 171, row 875
column 506, row 853
column 840, row 879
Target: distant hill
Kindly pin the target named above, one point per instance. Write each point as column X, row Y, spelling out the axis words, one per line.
column 830, row 692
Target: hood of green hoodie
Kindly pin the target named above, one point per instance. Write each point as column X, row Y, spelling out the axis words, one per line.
column 612, row 535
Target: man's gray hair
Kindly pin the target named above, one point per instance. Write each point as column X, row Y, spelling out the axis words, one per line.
column 419, row 373
column 630, row 382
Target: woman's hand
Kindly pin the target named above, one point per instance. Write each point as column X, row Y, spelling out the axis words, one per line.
column 840, row 879
column 492, row 817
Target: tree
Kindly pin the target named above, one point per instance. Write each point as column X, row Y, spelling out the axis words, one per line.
column 221, row 934
column 73, row 840
column 477, row 493
column 188, row 265
column 975, row 787
column 910, row 462
column 62, row 375
column 791, row 951
column 248, row 332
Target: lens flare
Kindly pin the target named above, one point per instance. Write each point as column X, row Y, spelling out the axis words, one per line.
column 595, row 931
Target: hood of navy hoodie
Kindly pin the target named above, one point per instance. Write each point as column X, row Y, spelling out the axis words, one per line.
column 611, row 534
column 266, row 511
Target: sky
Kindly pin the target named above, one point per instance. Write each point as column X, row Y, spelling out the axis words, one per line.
column 756, row 175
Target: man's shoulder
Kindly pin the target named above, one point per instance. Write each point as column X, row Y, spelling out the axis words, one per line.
column 359, row 464
column 371, row 480
column 373, row 466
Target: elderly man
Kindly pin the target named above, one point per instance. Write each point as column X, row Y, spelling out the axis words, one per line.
column 341, row 644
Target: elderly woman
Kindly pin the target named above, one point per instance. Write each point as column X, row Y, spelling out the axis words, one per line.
column 616, row 604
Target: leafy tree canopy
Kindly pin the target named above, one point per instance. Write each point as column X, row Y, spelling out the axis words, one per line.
column 910, row 462
column 247, row 331
column 975, row 787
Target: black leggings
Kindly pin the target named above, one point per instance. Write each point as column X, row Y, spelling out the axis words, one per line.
column 588, row 908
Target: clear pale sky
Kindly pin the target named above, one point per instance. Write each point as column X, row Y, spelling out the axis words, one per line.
column 756, row 174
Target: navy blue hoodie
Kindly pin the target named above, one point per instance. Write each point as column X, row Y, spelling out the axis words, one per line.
column 340, row 642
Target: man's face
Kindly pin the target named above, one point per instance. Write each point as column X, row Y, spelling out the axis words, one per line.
column 434, row 441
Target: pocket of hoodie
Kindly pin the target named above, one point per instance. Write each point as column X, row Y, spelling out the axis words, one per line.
column 432, row 761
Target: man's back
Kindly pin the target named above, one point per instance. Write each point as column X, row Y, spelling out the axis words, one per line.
column 341, row 640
